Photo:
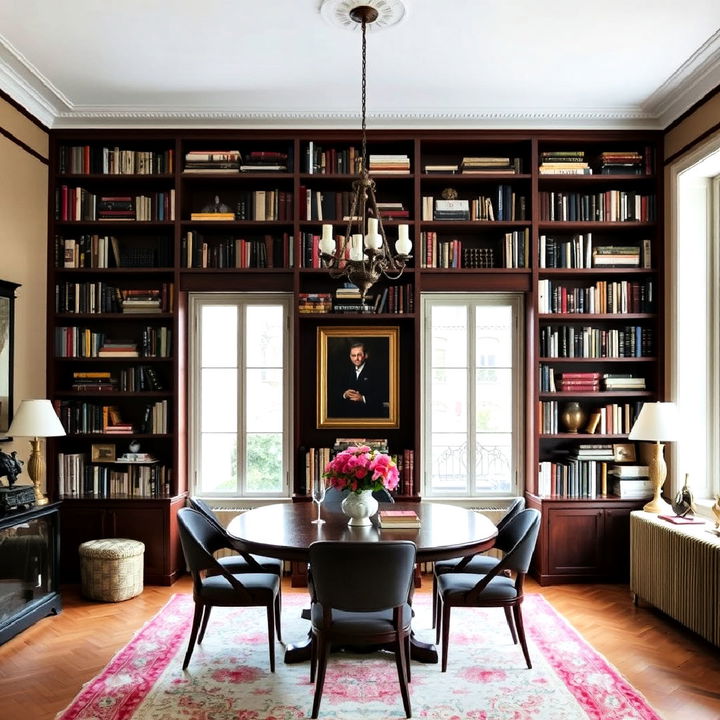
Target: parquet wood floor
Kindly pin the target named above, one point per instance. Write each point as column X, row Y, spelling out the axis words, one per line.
column 43, row 668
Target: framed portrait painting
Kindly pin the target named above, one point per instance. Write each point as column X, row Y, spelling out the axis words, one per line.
column 357, row 377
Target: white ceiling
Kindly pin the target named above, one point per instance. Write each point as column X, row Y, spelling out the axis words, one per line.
column 448, row 63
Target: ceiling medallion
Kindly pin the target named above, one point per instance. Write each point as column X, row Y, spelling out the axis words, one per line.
column 339, row 13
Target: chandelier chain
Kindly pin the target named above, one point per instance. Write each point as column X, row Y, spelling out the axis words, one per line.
column 363, row 94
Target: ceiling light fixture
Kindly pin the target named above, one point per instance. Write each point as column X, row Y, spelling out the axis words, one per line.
column 363, row 255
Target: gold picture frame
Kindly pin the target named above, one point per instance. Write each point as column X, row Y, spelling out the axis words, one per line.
column 348, row 398
column 103, row 452
column 624, row 452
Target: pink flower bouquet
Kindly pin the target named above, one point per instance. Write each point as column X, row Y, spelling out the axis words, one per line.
column 361, row 468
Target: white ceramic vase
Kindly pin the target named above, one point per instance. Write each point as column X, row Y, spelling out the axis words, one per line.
column 359, row 507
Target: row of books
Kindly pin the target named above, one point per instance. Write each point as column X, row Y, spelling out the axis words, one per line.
column 610, row 162
column 106, row 251
column 136, row 379
column 393, row 299
column 513, row 251
column 326, row 161
column 568, row 341
column 563, row 162
column 92, row 160
column 222, row 251
column 603, row 297
column 101, row 297
column 76, row 478
column 73, row 341
column 608, row 206
column 578, row 252
column 81, row 418
column 504, row 205
column 587, row 381
column 232, row 161
column 77, row 204
column 609, row 419
column 590, row 478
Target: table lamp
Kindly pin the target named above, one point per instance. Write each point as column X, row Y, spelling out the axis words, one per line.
column 36, row 419
column 657, row 423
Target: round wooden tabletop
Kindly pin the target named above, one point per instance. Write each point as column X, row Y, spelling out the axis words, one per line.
column 285, row 530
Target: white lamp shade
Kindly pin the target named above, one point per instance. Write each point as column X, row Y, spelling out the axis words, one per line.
column 36, row 418
column 657, row 421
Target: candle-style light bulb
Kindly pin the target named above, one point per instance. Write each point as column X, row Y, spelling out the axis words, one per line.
column 403, row 246
column 356, row 249
column 373, row 239
column 327, row 241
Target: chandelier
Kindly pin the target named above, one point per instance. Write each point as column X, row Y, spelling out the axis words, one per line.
column 363, row 255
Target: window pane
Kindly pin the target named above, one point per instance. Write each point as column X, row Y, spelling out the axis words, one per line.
column 219, row 336
column 493, row 463
column 449, row 336
column 449, row 463
column 449, row 400
column 264, row 400
column 264, row 463
column 264, row 333
column 218, row 465
column 493, row 400
column 493, row 331
column 219, row 401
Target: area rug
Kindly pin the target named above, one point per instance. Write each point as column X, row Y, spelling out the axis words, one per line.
column 229, row 678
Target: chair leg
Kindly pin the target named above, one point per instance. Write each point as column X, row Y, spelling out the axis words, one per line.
column 401, row 661
column 271, row 634
column 313, row 657
column 434, row 598
column 278, row 613
column 511, row 624
column 407, row 655
column 517, row 611
column 445, row 627
column 322, row 655
column 203, row 627
column 438, row 619
column 199, row 608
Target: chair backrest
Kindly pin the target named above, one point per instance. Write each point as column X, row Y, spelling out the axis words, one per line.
column 519, row 536
column 200, row 538
column 362, row 576
column 203, row 507
column 514, row 508
column 333, row 496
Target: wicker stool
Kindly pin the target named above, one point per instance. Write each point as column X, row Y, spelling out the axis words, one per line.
column 111, row 569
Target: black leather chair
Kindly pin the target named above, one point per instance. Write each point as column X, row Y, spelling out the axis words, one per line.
column 494, row 589
column 242, row 562
column 479, row 563
column 214, row 586
column 361, row 597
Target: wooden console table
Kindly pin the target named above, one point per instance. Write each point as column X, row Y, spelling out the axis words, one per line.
column 29, row 557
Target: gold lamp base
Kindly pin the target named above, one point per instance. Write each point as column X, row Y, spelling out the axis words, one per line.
column 36, row 471
column 658, row 473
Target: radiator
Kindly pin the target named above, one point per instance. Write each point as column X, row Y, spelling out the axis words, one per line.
column 225, row 515
column 677, row 569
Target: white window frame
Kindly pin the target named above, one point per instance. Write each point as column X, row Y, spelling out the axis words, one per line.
column 198, row 300
column 516, row 302
column 693, row 258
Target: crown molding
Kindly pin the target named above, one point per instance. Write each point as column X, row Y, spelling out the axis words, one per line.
column 692, row 81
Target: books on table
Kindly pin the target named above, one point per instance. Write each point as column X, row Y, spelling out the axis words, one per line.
column 398, row 519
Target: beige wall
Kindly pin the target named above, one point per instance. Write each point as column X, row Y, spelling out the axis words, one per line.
column 23, row 243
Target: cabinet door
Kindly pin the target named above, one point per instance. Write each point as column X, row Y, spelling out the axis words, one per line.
column 78, row 523
column 149, row 526
column 575, row 538
column 617, row 543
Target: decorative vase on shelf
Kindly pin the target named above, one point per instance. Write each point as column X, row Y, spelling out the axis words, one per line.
column 682, row 503
column 359, row 507
column 572, row 417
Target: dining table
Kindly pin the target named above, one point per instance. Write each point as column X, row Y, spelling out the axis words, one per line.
column 286, row 531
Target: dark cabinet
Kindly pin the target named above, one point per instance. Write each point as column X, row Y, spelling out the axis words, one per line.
column 153, row 523
column 29, row 544
column 582, row 541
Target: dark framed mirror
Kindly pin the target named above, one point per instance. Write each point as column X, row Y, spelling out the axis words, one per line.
column 7, row 341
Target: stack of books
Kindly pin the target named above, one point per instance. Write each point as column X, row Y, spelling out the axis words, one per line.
column 440, row 169
column 265, row 161
column 631, row 482
column 115, row 207
column 349, row 300
column 622, row 162
column 217, row 161
column 564, row 162
column 489, row 165
column 452, row 210
column 314, row 303
column 112, row 422
column 141, row 301
column 95, row 381
column 393, row 164
column 616, row 256
column 392, row 211
column 593, row 451
column 622, row 381
column 118, row 349
column 398, row 519
column 579, row 382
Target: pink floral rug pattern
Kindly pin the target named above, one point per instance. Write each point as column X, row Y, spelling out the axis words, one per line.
column 229, row 678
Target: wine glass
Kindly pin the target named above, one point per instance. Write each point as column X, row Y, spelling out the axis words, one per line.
column 318, row 495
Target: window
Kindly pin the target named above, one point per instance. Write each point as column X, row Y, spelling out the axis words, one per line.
column 240, row 394
column 472, row 385
column 693, row 271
